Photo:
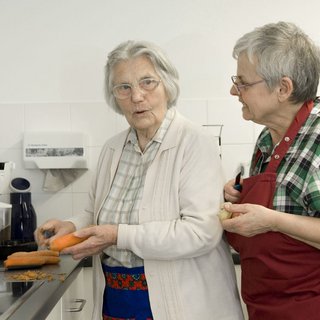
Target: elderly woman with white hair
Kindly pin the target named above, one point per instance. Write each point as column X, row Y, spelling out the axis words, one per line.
column 157, row 241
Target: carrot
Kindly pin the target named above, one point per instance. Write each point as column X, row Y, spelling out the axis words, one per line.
column 51, row 260
column 30, row 261
column 34, row 253
column 65, row 241
column 24, row 261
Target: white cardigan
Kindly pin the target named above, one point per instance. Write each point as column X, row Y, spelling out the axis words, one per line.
column 188, row 265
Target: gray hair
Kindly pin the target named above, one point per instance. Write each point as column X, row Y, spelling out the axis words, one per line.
column 283, row 49
column 132, row 49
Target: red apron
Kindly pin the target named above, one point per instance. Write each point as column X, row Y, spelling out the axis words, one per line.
column 280, row 275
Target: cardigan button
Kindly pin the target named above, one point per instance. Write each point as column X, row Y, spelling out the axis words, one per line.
column 276, row 156
column 287, row 139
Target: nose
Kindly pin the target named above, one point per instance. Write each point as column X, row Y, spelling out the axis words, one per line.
column 234, row 91
column 136, row 94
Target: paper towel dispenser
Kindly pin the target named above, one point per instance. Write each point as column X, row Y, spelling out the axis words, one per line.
column 55, row 150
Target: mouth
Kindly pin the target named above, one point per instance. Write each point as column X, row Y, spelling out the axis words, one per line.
column 243, row 104
column 140, row 112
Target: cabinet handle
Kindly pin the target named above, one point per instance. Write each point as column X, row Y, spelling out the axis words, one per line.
column 81, row 302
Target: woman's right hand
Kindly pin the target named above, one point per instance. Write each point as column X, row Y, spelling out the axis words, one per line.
column 230, row 193
column 52, row 229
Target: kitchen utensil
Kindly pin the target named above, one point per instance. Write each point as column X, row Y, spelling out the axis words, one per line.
column 237, row 184
column 48, row 233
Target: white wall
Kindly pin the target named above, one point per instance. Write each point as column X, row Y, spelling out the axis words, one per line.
column 52, row 56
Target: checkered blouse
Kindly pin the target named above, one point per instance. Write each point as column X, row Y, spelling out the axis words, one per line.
column 298, row 176
column 123, row 201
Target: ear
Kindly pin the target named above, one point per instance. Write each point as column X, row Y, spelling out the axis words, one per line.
column 285, row 89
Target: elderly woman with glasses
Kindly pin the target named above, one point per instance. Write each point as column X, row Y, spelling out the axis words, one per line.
column 275, row 223
column 157, row 245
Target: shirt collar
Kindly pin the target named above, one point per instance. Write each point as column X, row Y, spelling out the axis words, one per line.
column 160, row 133
column 264, row 143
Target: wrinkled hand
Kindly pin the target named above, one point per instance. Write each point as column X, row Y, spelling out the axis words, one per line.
column 100, row 238
column 230, row 193
column 54, row 227
column 249, row 219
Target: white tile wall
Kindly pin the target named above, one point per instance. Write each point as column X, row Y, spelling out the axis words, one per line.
column 237, row 136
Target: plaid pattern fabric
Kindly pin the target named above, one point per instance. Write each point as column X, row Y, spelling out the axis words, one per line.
column 123, row 201
column 298, row 176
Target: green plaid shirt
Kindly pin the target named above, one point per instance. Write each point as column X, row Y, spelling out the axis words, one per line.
column 298, row 176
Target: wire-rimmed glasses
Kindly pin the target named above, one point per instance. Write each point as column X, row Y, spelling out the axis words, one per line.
column 124, row 90
column 240, row 85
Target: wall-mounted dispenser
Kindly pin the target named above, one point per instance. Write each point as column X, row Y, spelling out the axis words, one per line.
column 55, row 150
column 62, row 156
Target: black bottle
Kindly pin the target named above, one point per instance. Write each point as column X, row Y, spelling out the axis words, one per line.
column 23, row 217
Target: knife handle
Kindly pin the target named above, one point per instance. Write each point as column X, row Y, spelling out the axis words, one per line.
column 238, row 187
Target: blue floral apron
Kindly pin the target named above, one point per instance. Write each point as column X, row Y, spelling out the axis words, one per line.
column 126, row 294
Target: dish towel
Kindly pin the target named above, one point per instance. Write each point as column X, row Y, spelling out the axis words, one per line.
column 57, row 179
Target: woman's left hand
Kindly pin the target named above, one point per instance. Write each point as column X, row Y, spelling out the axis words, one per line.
column 100, row 238
column 249, row 219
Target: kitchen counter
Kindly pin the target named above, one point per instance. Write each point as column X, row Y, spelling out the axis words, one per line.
column 33, row 300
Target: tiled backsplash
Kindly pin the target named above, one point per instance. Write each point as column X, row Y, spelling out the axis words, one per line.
column 100, row 122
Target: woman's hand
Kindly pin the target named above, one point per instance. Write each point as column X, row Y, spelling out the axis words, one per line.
column 230, row 193
column 52, row 229
column 249, row 219
column 100, row 238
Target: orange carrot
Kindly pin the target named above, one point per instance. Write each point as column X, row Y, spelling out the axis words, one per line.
column 34, row 253
column 65, row 241
column 24, row 261
column 30, row 261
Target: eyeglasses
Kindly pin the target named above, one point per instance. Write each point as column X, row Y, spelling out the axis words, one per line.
column 124, row 90
column 239, row 86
